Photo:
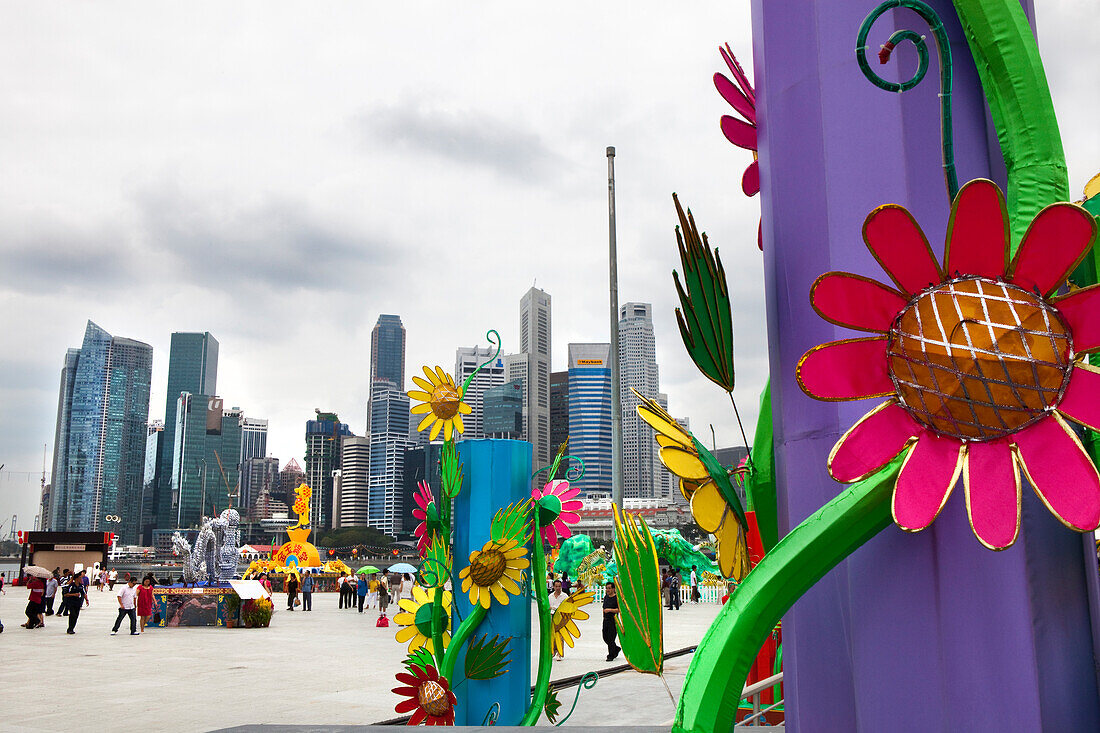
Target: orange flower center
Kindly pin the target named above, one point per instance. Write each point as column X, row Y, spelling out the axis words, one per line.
column 487, row 567
column 445, row 401
column 978, row 359
column 433, row 698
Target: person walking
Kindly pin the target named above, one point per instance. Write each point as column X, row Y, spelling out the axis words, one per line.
column 406, row 585
column 566, row 586
column 101, row 579
column 307, row 592
column 2, row 591
column 361, row 587
column 127, row 606
column 291, row 590
column 112, row 577
column 74, row 595
column 345, row 595
column 666, row 583
column 63, row 607
column 556, row 599
column 674, row 589
column 35, row 606
column 610, row 611
column 145, row 602
column 383, row 596
column 395, row 587
column 51, row 591
column 694, row 585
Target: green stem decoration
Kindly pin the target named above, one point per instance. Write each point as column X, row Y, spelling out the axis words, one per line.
column 495, row 342
column 437, row 626
column 712, row 689
column 943, row 49
column 542, row 601
column 459, row 639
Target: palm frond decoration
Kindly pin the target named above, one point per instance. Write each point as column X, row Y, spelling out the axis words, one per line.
column 704, row 316
column 437, row 562
column 487, row 658
column 450, row 470
column 513, row 523
column 638, row 586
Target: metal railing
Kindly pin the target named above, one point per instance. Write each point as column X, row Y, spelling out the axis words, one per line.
column 753, row 692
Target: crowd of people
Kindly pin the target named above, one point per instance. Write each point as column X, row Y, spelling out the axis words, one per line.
column 135, row 602
column 374, row 590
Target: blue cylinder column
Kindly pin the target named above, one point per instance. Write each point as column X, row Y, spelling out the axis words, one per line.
column 495, row 473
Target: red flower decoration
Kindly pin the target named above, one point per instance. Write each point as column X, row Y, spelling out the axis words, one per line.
column 980, row 361
column 429, row 695
column 428, row 514
column 557, row 508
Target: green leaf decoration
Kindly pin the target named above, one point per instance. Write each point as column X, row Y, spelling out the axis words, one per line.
column 552, row 706
column 421, row 658
column 451, row 470
column 513, row 522
column 436, row 567
column 638, row 586
column 487, row 658
column 705, row 320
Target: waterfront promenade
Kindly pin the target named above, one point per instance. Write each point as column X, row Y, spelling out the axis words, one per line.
column 327, row 667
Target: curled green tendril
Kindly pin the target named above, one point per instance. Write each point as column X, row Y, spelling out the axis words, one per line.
column 496, row 342
column 490, row 718
column 587, row 683
column 575, row 473
column 943, row 49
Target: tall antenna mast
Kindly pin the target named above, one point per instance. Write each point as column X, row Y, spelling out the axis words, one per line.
column 616, row 397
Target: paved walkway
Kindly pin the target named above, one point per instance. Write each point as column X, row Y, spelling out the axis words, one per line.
column 327, row 667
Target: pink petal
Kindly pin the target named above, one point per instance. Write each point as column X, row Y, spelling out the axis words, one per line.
column 572, row 505
column 750, row 180
column 855, row 301
column 926, row 480
column 1057, row 240
column 566, row 533
column 1063, row 475
column 872, row 442
column 1081, row 312
column 569, row 517
column 846, row 370
column 900, row 247
column 740, row 133
column 992, row 487
column 977, row 233
column 1081, row 402
column 735, row 97
column 737, row 71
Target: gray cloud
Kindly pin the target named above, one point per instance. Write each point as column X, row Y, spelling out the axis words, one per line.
column 61, row 258
column 468, row 138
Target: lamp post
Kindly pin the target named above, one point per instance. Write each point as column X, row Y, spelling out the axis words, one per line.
column 202, row 510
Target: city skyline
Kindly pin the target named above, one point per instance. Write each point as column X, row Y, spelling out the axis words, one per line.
column 151, row 219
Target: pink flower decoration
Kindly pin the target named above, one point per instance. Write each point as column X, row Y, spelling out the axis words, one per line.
column 428, row 514
column 979, row 358
column 557, row 509
column 741, row 132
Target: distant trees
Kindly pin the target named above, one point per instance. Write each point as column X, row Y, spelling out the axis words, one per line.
column 352, row 536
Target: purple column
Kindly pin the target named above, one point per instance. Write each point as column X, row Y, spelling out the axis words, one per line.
column 924, row 632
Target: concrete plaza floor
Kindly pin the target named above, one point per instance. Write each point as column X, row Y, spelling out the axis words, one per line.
column 326, row 667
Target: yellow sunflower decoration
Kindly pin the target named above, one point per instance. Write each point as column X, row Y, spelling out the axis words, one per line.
column 496, row 569
column 416, row 619
column 705, row 483
column 565, row 620
column 442, row 401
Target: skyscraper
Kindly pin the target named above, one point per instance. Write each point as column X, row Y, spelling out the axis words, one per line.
column 638, row 370
column 559, row 412
column 535, row 331
column 206, row 446
column 322, row 457
column 504, row 411
column 352, row 490
column 387, row 350
column 193, row 368
column 467, row 360
column 516, row 371
column 155, row 444
column 103, row 409
column 389, row 439
column 290, row 478
column 259, row 474
column 590, row 413
column 253, row 445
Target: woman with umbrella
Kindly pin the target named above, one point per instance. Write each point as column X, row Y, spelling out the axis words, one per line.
column 36, row 605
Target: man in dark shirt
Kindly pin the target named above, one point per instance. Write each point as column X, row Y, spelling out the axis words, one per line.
column 610, row 611
column 291, row 590
column 74, row 595
column 307, row 592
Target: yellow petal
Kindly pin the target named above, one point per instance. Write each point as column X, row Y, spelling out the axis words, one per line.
column 427, row 644
column 435, row 430
column 464, row 409
column 733, row 552
column 424, row 385
column 444, row 377
column 419, row 396
column 431, row 377
column 685, row 464
column 662, row 422
column 421, row 408
column 446, row 639
column 573, row 628
column 484, row 599
column 509, row 585
column 664, row 441
column 407, row 604
column 405, row 634
column 428, row 419
column 421, row 595
column 708, row 507
column 499, row 593
column 458, row 423
column 448, row 426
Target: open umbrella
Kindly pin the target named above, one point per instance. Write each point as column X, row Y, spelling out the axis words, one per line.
column 366, row 569
column 401, row 567
column 36, row 571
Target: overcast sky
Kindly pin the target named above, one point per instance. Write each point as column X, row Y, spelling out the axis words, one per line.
column 280, row 177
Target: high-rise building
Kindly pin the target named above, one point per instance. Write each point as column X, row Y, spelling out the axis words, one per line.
column 534, row 336
column 467, row 361
column 258, row 474
column 58, row 496
column 590, row 413
column 193, row 368
column 323, row 437
column 206, row 445
column 559, row 413
column 504, row 411
column 352, row 489
column 638, row 370
column 387, row 350
column 155, row 445
column 420, row 464
column 291, row 477
column 389, row 439
column 253, row 445
column 516, row 369
column 102, row 413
